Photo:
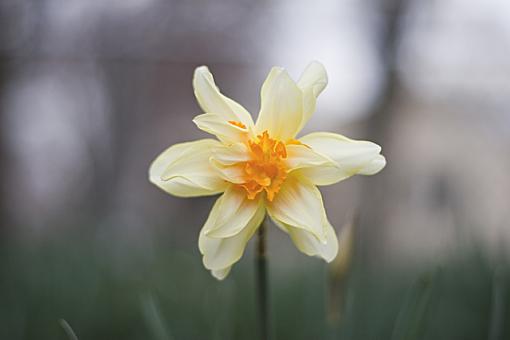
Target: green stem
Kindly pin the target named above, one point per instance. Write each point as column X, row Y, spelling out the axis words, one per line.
column 261, row 278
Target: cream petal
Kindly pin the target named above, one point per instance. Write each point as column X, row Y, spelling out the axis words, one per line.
column 312, row 82
column 227, row 132
column 311, row 246
column 281, row 109
column 211, row 100
column 314, row 77
column 230, row 173
column 322, row 175
column 184, row 170
column 237, row 213
column 231, row 154
column 302, row 156
column 299, row 204
column 220, row 274
column 221, row 253
column 350, row 157
column 376, row 165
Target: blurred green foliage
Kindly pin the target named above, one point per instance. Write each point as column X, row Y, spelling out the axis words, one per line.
column 161, row 292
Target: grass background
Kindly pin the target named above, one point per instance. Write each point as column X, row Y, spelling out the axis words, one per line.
column 163, row 292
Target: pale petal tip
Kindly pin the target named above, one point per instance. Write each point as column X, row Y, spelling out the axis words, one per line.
column 277, row 68
column 330, row 258
column 201, row 68
column 376, row 165
column 314, row 75
column 382, row 162
column 221, row 274
column 317, row 63
column 201, row 72
column 155, row 173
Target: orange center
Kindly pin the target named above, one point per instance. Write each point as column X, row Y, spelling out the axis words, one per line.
column 266, row 170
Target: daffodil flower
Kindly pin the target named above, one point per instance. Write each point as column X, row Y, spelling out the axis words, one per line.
column 262, row 167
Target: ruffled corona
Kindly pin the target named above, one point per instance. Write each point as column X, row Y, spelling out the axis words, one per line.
column 266, row 169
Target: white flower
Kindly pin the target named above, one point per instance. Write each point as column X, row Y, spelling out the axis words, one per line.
column 262, row 167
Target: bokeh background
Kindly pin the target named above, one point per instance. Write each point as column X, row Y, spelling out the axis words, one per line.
column 91, row 91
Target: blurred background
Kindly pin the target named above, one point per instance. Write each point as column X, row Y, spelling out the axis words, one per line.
column 92, row 91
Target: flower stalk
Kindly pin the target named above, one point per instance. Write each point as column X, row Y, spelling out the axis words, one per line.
column 262, row 282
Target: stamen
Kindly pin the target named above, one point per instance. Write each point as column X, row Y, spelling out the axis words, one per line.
column 296, row 142
column 266, row 169
column 238, row 124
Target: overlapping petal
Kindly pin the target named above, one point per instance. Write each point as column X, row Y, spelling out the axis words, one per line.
column 211, row 100
column 350, row 157
column 302, row 156
column 236, row 210
column 219, row 254
column 230, row 173
column 184, row 170
column 227, row 160
column 307, row 243
column 231, row 154
column 226, row 131
column 300, row 212
column 312, row 82
column 299, row 204
column 281, row 110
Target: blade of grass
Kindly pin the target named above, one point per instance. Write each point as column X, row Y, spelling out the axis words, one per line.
column 152, row 317
column 411, row 318
column 498, row 305
column 67, row 328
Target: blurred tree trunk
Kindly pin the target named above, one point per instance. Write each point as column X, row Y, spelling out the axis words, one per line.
column 124, row 82
column 4, row 220
column 379, row 125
